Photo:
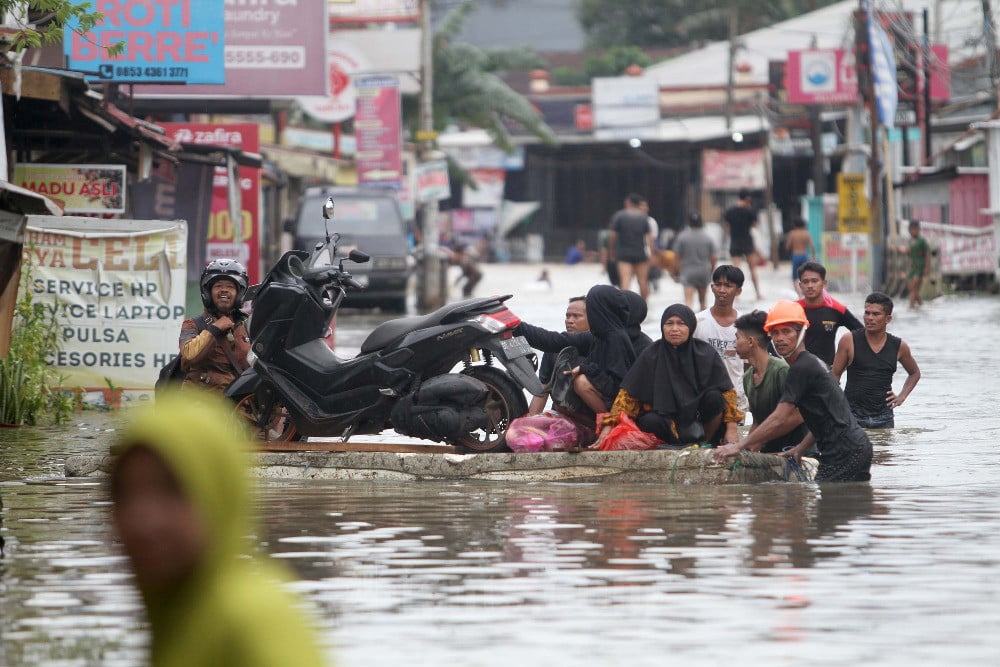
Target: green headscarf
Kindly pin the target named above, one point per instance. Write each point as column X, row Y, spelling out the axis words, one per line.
column 232, row 610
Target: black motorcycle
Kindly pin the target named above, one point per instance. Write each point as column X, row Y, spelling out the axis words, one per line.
column 405, row 375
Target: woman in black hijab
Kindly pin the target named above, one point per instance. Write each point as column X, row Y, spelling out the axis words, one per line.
column 637, row 311
column 607, row 346
column 678, row 389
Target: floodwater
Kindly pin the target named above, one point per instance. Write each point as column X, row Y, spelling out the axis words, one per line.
column 904, row 570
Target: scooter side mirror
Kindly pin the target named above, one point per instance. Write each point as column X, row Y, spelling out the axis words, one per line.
column 358, row 256
column 296, row 267
column 328, row 206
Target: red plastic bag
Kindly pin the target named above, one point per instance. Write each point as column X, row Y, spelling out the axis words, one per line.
column 541, row 433
column 626, row 435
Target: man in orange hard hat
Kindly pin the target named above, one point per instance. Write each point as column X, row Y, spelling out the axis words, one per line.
column 845, row 452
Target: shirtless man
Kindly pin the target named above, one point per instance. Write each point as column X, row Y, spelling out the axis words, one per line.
column 870, row 357
column 799, row 244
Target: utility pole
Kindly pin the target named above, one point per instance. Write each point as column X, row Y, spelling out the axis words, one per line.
column 864, row 55
column 431, row 295
column 990, row 37
column 731, row 81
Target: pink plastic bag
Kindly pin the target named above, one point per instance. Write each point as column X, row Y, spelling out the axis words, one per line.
column 541, row 433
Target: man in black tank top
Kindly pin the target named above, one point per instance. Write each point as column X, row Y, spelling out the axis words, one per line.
column 870, row 357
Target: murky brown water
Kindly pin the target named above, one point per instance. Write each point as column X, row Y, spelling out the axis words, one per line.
column 901, row 571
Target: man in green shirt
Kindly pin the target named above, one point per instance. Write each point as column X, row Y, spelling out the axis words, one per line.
column 764, row 380
column 920, row 263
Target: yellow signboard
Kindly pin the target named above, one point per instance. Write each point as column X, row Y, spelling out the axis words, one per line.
column 853, row 214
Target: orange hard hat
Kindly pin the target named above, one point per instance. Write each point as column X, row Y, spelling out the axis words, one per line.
column 786, row 312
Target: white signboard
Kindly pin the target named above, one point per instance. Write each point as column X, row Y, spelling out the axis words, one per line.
column 625, row 101
column 118, row 289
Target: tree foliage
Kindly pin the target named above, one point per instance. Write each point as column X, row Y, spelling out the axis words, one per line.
column 43, row 22
column 669, row 23
column 468, row 89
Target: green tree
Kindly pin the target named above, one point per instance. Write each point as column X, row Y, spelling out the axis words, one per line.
column 468, row 89
column 43, row 21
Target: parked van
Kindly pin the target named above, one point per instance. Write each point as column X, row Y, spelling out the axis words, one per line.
column 369, row 220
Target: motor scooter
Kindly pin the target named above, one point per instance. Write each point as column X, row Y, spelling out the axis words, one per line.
column 434, row 376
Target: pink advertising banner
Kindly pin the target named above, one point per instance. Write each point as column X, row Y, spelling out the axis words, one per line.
column 821, row 76
column 272, row 49
column 220, row 241
column 378, row 131
column 732, row 170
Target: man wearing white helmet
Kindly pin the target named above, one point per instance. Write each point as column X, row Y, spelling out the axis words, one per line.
column 845, row 453
column 214, row 345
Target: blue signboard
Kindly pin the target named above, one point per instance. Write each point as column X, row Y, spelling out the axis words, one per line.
column 166, row 41
column 883, row 72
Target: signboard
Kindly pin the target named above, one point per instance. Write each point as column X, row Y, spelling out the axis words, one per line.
column 853, row 213
column 432, row 181
column 848, row 262
column 272, row 49
column 625, row 101
column 221, row 236
column 732, row 170
column 883, row 71
column 821, row 76
column 374, row 11
column 489, row 192
column 77, row 188
column 378, row 132
column 118, row 290
column 964, row 250
column 343, row 62
column 166, row 41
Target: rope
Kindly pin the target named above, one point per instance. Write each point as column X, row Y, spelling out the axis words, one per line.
column 684, row 452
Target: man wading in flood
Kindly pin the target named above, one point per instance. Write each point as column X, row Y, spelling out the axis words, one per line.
column 845, row 453
column 870, row 357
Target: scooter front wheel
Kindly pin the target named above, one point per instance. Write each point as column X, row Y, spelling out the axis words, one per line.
column 278, row 425
column 504, row 402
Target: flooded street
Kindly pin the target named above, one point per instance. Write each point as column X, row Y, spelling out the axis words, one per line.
column 900, row 571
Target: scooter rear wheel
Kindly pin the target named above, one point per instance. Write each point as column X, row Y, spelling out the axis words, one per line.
column 504, row 402
column 279, row 426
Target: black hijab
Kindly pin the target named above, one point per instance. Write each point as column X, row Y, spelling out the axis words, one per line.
column 673, row 379
column 637, row 311
column 611, row 354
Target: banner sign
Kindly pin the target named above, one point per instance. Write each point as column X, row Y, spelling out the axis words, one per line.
column 117, row 288
column 883, row 71
column 489, row 193
column 166, row 41
column 272, row 49
column 964, row 250
column 821, row 76
column 378, row 132
column 732, row 170
column 432, row 181
column 77, row 188
column 853, row 213
column 848, row 262
column 220, row 240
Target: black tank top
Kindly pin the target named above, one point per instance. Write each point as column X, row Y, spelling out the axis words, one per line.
column 869, row 377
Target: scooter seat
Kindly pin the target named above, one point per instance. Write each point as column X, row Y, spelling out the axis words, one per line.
column 387, row 332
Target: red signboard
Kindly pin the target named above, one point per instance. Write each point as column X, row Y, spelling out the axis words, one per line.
column 378, row 131
column 821, row 76
column 583, row 117
column 220, row 240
